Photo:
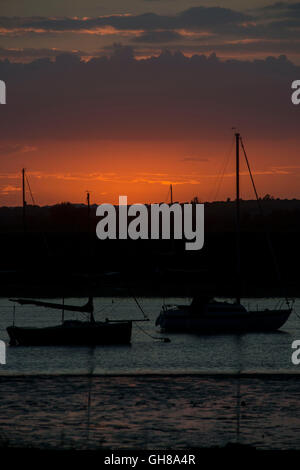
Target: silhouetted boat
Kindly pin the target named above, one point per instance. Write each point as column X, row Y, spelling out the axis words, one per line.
column 207, row 316
column 71, row 332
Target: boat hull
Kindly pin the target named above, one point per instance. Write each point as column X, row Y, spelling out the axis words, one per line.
column 256, row 321
column 72, row 334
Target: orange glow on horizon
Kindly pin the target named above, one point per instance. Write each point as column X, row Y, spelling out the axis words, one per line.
column 64, row 171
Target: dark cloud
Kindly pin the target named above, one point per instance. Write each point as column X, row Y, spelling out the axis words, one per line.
column 240, row 48
column 210, row 16
column 282, row 6
column 165, row 97
column 277, row 21
column 197, row 17
column 279, row 29
column 159, row 37
column 279, row 10
column 29, row 54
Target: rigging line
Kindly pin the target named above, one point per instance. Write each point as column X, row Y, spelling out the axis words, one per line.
column 167, row 197
column 109, row 307
column 130, row 290
column 297, row 314
column 164, row 339
column 139, row 306
column 103, row 309
column 33, row 202
column 222, row 170
column 32, row 198
column 266, row 231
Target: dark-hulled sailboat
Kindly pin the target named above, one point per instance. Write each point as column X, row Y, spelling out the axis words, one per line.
column 71, row 332
column 207, row 316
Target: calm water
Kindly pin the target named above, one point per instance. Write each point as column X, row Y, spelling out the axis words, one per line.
column 186, row 353
column 150, row 395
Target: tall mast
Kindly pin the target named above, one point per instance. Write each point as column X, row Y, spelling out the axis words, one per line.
column 88, row 210
column 24, row 199
column 63, row 310
column 90, row 239
column 171, row 192
column 238, row 228
column 88, row 202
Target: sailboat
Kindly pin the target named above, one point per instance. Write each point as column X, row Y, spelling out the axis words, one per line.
column 70, row 332
column 207, row 316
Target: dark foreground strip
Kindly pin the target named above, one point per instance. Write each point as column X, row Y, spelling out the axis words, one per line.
column 232, row 454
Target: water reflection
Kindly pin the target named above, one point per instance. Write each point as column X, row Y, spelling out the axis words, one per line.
column 150, row 412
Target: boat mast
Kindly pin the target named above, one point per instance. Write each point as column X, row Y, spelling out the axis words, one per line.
column 238, row 228
column 63, row 310
column 88, row 204
column 24, row 199
column 88, row 200
column 171, row 191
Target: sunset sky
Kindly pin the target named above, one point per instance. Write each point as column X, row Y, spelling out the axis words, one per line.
column 128, row 96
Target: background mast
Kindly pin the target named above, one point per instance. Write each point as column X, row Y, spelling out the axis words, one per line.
column 238, row 228
column 24, row 199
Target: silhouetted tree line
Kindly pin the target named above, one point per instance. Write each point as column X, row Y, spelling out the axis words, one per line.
column 279, row 215
column 57, row 255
